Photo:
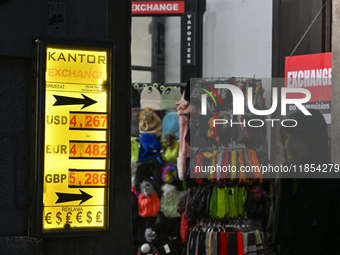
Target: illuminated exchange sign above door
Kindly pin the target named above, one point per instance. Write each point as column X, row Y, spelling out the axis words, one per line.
column 158, row 7
column 74, row 164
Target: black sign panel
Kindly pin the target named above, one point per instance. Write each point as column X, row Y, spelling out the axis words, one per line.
column 188, row 38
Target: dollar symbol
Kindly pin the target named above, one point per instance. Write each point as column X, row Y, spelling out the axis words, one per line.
column 68, row 218
column 59, row 218
column 48, row 218
column 78, row 217
column 98, row 216
column 89, row 217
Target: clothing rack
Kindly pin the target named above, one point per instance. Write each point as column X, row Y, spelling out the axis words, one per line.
column 224, row 239
column 243, row 225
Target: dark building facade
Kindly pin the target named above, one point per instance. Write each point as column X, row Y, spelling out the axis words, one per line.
column 22, row 23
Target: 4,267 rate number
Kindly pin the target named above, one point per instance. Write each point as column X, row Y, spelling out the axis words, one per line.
column 84, row 120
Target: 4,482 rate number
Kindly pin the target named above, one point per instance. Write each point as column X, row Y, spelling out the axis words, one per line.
column 84, row 149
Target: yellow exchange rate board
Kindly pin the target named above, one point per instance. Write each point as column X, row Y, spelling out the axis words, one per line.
column 76, row 147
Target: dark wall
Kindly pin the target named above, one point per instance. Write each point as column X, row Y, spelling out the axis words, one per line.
column 15, row 96
column 291, row 19
column 15, row 118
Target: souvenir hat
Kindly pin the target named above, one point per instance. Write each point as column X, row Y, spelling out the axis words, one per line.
column 150, row 98
column 170, row 123
column 170, row 96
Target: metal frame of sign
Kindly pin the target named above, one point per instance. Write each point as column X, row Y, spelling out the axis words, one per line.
column 38, row 150
column 191, row 36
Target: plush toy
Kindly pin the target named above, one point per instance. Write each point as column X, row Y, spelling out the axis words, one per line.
column 150, row 235
column 171, row 147
column 146, row 188
column 168, row 140
column 148, row 201
column 146, row 230
column 149, row 122
column 149, row 147
column 151, row 172
column 169, row 201
column 147, row 249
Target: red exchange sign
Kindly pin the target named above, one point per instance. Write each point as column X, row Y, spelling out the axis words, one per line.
column 169, row 7
column 312, row 72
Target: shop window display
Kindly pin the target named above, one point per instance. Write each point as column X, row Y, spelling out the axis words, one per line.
column 222, row 211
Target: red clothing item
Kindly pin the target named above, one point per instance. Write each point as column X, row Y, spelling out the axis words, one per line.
column 198, row 165
column 215, row 165
column 240, row 249
column 223, row 244
column 184, row 227
column 148, row 206
column 134, row 190
column 225, row 162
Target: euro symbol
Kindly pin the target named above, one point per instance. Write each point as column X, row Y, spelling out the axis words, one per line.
column 78, row 217
column 98, row 216
column 48, row 218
